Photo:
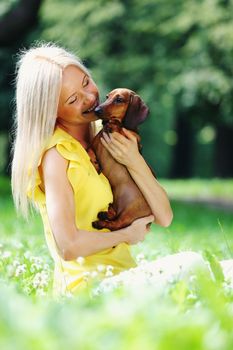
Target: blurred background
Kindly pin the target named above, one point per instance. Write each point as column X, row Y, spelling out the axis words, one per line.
column 178, row 55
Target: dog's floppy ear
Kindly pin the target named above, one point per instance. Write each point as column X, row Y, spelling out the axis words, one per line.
column 136, row 113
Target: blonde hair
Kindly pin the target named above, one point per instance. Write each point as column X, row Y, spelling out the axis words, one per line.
column 38, row 87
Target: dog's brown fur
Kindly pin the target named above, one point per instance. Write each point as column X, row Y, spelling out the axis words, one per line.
column 123, row 108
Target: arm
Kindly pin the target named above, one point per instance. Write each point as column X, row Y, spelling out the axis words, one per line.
column 125, row 151
column 71, row 241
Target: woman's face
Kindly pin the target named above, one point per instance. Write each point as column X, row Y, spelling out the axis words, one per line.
column 78, row 99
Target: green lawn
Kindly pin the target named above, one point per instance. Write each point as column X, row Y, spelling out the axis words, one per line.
column 197, row 314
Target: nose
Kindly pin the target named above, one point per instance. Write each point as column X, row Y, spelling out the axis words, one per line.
column 98, row 111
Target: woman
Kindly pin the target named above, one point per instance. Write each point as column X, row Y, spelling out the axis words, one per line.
column 55, row 99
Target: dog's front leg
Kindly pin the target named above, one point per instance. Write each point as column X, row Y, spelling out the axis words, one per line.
column 94, row 159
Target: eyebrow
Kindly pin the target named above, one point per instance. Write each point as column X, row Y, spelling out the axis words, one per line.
column 85, row 75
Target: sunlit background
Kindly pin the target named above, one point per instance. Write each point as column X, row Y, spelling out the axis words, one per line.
column 178, row 55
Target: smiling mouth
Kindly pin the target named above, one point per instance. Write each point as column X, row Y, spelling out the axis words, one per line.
column 92, row 108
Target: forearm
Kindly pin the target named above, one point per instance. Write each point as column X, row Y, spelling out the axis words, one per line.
column 125, row 151
column 84, row 243
column 72, row 242
column 153, row 192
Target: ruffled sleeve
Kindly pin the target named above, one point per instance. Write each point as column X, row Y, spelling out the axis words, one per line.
column 69, row 149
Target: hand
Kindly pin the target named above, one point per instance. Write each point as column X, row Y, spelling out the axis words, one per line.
column 138, row 229
column 124, row 149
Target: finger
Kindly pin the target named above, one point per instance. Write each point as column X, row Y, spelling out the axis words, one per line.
column 115, row 153
column 106, row 137
column 149, row 219
column 106, row 144
column 122, row 147
column 113, row 143
column 120, row 138
column 145, row 220
column 129, row 134
column 109, row 142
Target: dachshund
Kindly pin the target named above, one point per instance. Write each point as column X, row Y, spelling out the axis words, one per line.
column 122, row 108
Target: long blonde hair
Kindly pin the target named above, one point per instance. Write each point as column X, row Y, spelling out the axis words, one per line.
column 38, row 86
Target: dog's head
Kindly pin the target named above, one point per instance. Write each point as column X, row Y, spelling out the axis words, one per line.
column 125, row 106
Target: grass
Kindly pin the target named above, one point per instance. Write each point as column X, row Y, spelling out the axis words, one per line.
column 195, row 314
column 199, row 188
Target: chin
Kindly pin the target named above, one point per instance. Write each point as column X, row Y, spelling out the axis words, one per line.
column 90, row 117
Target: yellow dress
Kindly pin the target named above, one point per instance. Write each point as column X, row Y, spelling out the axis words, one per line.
column 92, row 193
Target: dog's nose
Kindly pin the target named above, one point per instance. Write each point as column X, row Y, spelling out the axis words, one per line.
column 98, row 111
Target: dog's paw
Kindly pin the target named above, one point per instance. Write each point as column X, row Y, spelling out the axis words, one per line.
column 103, row 215
column 96, row 224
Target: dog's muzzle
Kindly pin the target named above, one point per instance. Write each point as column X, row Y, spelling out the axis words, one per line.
column 98, row 111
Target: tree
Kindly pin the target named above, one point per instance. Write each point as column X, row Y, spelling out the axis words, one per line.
column 177, row 55
column 15, row 24
column 17, row 21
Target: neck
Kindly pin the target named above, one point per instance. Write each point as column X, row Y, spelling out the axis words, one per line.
column 79, row 132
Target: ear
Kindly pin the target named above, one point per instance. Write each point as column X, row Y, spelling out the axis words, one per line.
column 136, row 113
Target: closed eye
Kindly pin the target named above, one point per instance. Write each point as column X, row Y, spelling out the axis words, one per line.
column 73, row 100
column 86, row 81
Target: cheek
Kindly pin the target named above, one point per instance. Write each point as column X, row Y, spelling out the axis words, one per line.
column 120, row 112
column 94, row 88
column 69, row 111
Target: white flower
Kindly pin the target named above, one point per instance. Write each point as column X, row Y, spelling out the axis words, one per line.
column 16, row 263
column 46, row 267
column 36, row 260
column 68, row 294
column 86, row 275
column 191, row 296
column 140, row 256
column 6, row 254
column 18, row 245
column 40, row 292
column 101, row 268
column 94, row 274
column 35, row 267
column 108, row 273
column 141, row 259
column 40, row 280
column 27, row 254
column 80, row 260
column 109, row 268
column 10, row 270
column 27, row 290
column 192, row 278
column 20, row 270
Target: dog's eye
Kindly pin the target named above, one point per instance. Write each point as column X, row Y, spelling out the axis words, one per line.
column 119, row 99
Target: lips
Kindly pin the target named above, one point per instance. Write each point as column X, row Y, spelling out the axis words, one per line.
column 91, row 109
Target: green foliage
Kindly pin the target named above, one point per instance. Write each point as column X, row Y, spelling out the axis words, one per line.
column 172, row 53
column 3, row 150
column 215, row 266
column 177, row 55
column 195, row 313
column 6, row 5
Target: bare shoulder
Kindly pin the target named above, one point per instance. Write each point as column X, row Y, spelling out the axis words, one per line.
column 52, row 160
column 53, row 163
